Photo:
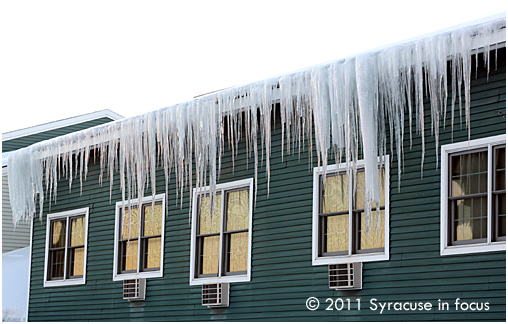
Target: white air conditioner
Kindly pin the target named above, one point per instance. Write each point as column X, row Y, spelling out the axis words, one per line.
column 345, row 276
column 215, row 295
column 134, row 289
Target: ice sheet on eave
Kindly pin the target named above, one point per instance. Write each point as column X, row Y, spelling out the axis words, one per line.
column 346, row 104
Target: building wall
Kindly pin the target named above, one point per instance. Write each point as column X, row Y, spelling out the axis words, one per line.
column 13, row 237
column 282, row 275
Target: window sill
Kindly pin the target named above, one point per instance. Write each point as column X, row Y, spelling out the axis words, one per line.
column 474, row 248
column 209, row 280
column 127, row 276
column 367, row 257
column 67, row 282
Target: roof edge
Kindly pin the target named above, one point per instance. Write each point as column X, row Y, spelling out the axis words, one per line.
column 61, row 123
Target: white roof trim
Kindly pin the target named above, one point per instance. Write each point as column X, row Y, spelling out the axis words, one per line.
column 61, row 123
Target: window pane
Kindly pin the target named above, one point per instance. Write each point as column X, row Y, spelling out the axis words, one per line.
column 501, row 210
column 57, row 263
column 335, row 194
column 77, row 231
column 469, row 174
column 500, row 165
column 238, row 247
column 238, row 210
column 337, row 233
column 207, row 224
column 77, row 257
column 153, row 221
column 375, row 237
column 470, row 218
column 130, row 227
column 360, row 190
column 130, row 255
column 210, row 256
column 58, row 233
column 153, row 253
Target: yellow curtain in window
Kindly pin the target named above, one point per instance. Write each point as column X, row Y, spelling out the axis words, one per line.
column 337, row 233
column 238, row 210
column 77, row 231
column 131, row 256
column 238, row 251
column 130, row 223
column 79, row 256
column 153, row 222
column 360, row 190
column 153, row 258
column 210, row 257
column 375, row 238
column 58, row 236
column 335, row 194
column 207, row 224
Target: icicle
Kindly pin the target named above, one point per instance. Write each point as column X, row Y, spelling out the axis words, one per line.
column 367, row 84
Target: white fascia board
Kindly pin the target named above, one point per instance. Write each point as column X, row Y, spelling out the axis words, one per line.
column 61, row 123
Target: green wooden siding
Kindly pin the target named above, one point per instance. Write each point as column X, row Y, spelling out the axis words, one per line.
column 282, row 274
column 24, row 141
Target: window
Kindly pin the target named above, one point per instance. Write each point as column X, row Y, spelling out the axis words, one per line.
column 339, row 219
column 473, row 196
column 139, row 239
column 66, row 245
column 221, row 234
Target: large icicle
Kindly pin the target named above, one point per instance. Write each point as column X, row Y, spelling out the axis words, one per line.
column 342, row 103
column 367, row 84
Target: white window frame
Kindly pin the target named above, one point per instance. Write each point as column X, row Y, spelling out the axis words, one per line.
column 194, row 281
column 161, row 198
column 363, row 257
column 446, row 150
column 65, row 215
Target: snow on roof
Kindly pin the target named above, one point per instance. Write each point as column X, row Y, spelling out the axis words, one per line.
column 346, row 103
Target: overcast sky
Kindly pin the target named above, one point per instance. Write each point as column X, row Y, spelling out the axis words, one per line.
column 60, row 59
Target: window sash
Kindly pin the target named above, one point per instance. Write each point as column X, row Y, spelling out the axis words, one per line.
column 497, row 194
column 228, row 237
column 354, row 219
column 141, row 239
column 223, row 234
column 492, row 195
column 67, row 260
column 492, row 245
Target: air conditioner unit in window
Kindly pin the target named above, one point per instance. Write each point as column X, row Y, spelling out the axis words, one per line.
column 215, row 295
column 345, row 276
column 134, row 289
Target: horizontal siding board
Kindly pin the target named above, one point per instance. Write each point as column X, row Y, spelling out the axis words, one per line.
column 13, row 237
